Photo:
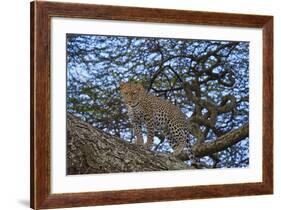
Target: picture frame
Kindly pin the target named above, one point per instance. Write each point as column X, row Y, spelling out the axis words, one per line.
column 41, row 196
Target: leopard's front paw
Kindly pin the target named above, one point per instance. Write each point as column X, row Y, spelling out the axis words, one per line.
column 148, row 146
column 139, row 141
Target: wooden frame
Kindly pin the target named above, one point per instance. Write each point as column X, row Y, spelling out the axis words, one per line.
column 41, row 14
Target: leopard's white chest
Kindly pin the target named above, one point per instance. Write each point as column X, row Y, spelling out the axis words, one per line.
column 135, row 113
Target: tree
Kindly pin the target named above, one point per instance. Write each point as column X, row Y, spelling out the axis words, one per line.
column 208, row 80
column 90, row 150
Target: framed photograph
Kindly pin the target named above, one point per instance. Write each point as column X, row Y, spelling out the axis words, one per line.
column 140, row 105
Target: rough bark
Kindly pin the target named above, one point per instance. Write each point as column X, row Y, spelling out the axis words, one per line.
column 90, row 150
column 221, row 143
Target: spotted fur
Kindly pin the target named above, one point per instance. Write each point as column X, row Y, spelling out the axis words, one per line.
column 157, row 115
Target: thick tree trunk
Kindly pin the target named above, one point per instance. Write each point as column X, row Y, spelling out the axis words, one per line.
column 90, row 150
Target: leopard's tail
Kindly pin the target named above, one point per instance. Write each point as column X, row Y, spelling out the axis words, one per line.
column 194, row 160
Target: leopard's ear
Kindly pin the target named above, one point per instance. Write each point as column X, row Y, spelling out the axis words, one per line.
column 137, row 82
column 122, row 84
column 143, row 84
column 139, row 85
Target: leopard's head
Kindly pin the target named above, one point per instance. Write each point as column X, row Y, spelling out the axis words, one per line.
column 131, row 92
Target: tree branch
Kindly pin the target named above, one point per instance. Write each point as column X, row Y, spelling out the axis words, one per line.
column 221, row 143
column 90, row 150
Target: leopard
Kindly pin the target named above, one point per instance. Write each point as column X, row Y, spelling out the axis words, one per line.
column 156, row 115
